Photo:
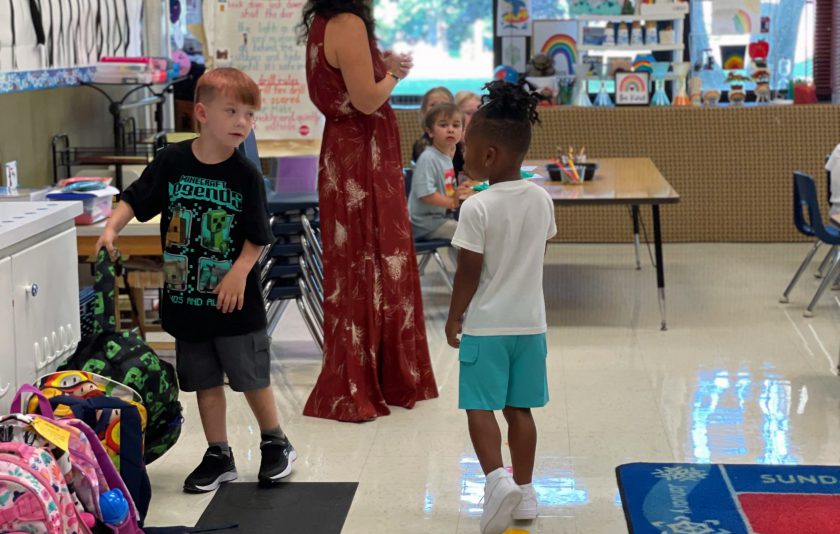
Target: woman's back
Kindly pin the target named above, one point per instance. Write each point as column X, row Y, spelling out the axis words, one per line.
column 327, row 89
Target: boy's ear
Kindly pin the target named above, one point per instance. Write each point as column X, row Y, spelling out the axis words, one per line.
column 200, row 113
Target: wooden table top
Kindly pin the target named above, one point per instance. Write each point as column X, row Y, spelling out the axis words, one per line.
column 617, row 181
column 136, row 239
column 134, row 228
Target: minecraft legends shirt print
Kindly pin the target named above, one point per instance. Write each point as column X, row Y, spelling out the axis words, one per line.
column 198, row 238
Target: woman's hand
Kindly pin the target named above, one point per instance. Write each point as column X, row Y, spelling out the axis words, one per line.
column 399, row 64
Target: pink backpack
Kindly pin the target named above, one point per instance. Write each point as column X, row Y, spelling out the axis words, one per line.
column 33, row 494
column 91, row 471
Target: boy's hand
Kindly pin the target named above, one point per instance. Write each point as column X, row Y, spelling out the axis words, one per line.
column 107, row 239
column 464, row 191
column 230, row 293
column 453, row 329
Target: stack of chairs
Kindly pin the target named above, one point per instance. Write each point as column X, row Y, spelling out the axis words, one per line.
column 311, row 281
column 287, row 266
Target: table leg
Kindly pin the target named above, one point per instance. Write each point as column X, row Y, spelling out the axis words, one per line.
column 635, row 211
column 660, row 265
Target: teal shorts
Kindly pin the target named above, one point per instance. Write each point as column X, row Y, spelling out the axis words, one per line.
column 499, row 371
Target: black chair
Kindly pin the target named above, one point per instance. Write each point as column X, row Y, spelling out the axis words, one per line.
column 428, row 249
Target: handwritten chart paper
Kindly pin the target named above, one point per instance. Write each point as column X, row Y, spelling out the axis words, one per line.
column 259, row 37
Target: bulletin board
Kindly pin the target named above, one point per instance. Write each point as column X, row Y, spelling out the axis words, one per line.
column 260, row 37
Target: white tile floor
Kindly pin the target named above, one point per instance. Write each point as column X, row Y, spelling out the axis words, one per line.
column 737, row 378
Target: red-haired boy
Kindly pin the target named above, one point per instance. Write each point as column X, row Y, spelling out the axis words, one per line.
column 214, row 224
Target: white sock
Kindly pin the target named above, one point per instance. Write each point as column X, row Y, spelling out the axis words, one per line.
column 523, row 487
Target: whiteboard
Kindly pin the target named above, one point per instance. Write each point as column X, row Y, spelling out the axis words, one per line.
column 260, row 37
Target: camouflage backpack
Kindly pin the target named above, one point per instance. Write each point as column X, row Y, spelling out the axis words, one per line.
column 124, row 357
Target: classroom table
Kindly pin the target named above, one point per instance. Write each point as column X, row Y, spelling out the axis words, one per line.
column 632, row 182
column 136, row 239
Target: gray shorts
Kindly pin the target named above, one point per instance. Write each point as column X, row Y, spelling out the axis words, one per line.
column 244, row 359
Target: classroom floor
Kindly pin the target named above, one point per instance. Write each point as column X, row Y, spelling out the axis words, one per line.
column 738, row 378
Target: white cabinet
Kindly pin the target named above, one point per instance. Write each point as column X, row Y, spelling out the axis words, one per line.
column 7, row 336
column 43, row 284
column 39, row 291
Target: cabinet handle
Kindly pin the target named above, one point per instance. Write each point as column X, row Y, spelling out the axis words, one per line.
column 36, row 348
column 32, row 290
column 57, row 349
column 47, row 351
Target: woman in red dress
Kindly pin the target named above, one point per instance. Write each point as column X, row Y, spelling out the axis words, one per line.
column 375, row 348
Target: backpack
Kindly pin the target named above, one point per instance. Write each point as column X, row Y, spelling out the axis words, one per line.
column 124, row 357
column 34, row 497
column 90, row 471
column 84, row 386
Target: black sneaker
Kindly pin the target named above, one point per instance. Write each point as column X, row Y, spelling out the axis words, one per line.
column 277, row 459
column 215, row 469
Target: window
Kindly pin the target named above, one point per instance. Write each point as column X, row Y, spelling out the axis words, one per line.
column 791, row 37
column 452, row 42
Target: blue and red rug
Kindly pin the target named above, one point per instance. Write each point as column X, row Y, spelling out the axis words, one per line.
column 730, row 499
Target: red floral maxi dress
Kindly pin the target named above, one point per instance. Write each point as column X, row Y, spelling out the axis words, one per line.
column 375, row 348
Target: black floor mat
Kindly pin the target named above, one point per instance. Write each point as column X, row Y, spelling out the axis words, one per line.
column 290, row 508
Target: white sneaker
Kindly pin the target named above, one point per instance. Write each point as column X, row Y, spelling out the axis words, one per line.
column 527, row 508
column 501, row 496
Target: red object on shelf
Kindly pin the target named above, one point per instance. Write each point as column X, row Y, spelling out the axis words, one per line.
column 759, row 49
column 804, row 93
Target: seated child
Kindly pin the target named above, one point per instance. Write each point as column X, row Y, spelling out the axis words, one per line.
column 498, row 307
column 433, row 97
column 434, row 189
column 468, row 102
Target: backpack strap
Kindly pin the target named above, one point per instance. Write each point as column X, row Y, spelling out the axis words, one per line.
column 43, row 402
column 105, row 292
column 132, row 467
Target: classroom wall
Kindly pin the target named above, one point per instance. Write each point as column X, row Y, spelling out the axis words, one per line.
column 28, row 120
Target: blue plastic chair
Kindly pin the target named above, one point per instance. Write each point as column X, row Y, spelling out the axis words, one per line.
column 805, row 229
column 428, row 249
column 805, row 199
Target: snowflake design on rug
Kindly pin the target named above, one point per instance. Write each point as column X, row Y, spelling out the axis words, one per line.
column 684, row 525
column 680, row 473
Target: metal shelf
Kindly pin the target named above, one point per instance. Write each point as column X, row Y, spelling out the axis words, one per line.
column 631, row 18
column 631, row 48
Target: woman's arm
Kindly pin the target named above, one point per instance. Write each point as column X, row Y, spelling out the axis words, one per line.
column 346, row 40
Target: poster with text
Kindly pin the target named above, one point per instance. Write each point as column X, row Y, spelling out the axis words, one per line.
column 732, row 17
column 514, row 18
column 558, row 39
column 259, row 37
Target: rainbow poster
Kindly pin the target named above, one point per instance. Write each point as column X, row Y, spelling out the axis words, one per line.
column 732, row 56
column 557, row 39
column 514, row 18
column 632, row 88
column 736, row 17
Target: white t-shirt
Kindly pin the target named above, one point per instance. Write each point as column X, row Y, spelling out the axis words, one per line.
column 833, row 166
column 509, row 224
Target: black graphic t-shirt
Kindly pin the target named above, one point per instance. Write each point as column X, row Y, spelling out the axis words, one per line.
column 207, row 213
